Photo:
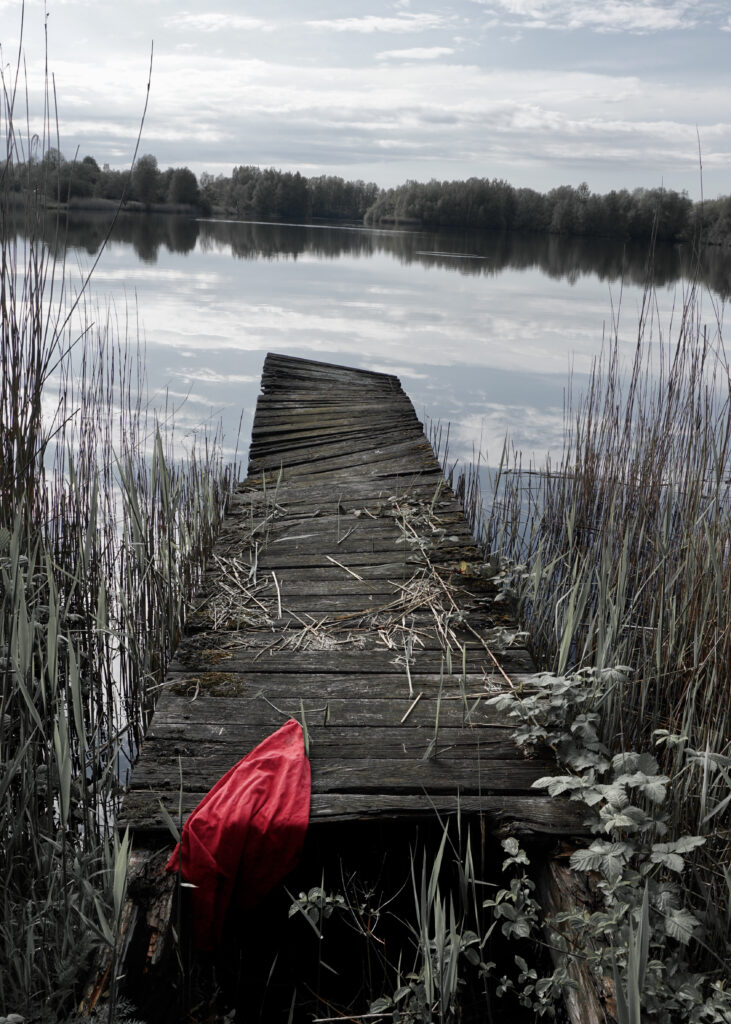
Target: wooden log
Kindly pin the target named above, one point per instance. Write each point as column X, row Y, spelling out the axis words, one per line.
column 561, row 890
column 143, row 937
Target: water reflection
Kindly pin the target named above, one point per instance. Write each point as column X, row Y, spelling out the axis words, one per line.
column 560, row 258
column 481, row 328
column 556, row 256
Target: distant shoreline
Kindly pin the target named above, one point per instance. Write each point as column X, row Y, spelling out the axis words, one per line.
column 96, row 204
column 386, row 221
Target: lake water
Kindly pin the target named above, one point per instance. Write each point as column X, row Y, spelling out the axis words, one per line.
column 481, row 329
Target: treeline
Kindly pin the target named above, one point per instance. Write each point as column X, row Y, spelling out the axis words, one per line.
column 476, row 203
column 81, row 181
column 254, row 192
column 248, row 192
column 493, row 204
column 287, row 195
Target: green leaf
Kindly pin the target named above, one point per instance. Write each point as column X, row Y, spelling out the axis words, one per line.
column 502, row 702
column 557, row 784
column 670, row 854
column 671, row 739
column 119, row 885
column 626, row 761
column 586, row 860
column 103, row 923
column 167, row 818
column 588, row 759
column 519, row 929
column 630, row 761
column 615, row 795
column 654, row 789
column 619, row 820
column 632, row 818
column 380, row 1004
column 687, row 843
column 673, row 861
column 648, row 764
column 543, row 987
column 680, row 925
column 608, row 858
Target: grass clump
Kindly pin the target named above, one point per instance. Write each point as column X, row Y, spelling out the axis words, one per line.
column 621, row 565
column 102, row 538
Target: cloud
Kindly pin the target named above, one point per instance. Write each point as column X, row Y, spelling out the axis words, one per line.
column 19, row 4
column 416, row 53
column 217, row 21
column 416, row 116
column 532, row 430
column 635, row 16
column 378, row 23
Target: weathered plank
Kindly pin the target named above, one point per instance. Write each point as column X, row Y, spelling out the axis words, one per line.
column 514, row 812
column 222, row 680
column 333, row 657
column 355, row 775
column 191, row 702
column 173, row 738
column 357, row 442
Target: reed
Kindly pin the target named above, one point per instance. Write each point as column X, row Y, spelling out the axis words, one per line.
column 621, row 550
column 103, row 532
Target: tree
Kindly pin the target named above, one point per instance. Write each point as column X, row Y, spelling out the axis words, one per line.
column 264, row 199
column 291, row 197
column 82, row 177
column 183, row 187
column 242, row 185
column 111, row 184
column 145, row 177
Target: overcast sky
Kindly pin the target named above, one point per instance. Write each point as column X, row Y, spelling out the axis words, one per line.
column 539, row 92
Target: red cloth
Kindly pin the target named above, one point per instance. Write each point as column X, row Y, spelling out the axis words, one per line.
column 246, row 834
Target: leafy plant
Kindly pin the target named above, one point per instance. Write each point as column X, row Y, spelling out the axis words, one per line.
column 645, row 930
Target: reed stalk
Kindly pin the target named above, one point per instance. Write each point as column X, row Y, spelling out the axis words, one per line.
column 623, row 554
column 103, row 534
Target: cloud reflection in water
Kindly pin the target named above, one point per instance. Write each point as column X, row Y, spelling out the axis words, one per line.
column 483, row 343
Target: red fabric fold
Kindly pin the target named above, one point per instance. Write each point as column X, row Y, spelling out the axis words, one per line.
column 246, row 834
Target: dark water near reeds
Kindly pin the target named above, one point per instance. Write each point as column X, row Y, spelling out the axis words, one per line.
column 482, row 329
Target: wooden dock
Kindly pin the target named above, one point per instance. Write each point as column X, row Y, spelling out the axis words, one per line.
column 346, row 591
